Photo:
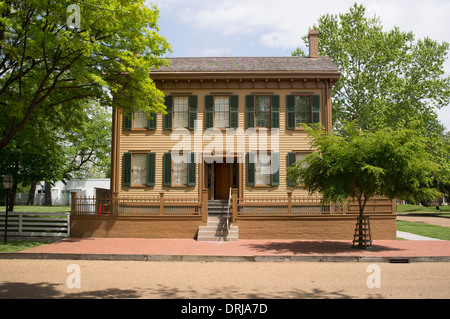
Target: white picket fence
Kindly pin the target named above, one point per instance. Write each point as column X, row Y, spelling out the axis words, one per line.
column 36, row 224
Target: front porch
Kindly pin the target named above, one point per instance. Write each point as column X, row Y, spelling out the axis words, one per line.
column 262, row 217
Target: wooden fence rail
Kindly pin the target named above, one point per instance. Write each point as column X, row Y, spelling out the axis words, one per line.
column 254, row 206
column 36, row 224
column 266, row 206
column 136, row 206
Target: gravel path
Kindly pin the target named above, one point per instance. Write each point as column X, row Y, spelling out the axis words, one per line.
column 441, row 221
column 134, row 279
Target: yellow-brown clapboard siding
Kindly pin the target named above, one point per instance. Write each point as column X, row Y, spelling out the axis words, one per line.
column 159, row 141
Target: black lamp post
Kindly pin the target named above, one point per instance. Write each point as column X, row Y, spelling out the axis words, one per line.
column 8, row 182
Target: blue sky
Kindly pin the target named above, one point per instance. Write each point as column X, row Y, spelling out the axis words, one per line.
column 275, row 27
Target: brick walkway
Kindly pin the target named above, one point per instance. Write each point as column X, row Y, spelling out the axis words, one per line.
column 242, row 248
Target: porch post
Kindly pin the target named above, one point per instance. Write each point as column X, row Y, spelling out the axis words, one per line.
column 289, row 203
column 234, row 205
column 205, row 205
column 72, row 202
column 115, row 203
column 161, row 203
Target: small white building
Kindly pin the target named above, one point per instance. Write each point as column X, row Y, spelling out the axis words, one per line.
column 61, row 191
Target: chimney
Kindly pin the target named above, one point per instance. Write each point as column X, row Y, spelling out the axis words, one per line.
column 313, row 38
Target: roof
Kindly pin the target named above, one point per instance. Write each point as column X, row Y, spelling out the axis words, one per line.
column 249, row 64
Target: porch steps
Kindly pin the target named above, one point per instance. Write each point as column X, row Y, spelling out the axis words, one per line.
column 216, row 227
column 217, row 207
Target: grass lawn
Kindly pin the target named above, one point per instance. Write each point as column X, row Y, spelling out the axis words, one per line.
column 433, row 231
column 14, row 245
column 38, row 209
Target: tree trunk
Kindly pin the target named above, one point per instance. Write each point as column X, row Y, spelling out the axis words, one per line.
column 12, row 197
column 31, row 194
column 48, row 195
column 363, row 242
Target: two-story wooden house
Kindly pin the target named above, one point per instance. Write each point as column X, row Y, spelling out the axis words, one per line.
column 231, row 130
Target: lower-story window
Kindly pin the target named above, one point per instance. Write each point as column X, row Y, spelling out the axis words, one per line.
column 262, row 171
column 179, row 173
column 292, row 158
column 139, row 169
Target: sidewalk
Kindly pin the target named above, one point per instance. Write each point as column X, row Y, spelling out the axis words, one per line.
column 242, row 250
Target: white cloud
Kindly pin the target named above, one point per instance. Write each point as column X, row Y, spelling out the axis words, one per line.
column 267, row 27
column 280, row 39
column 279, row 20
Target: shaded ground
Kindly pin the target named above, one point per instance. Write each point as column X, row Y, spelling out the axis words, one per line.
column 213, row 280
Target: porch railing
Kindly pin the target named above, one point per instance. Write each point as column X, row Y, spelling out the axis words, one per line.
column 291, row 206
column 136, row 206
column 254, row 206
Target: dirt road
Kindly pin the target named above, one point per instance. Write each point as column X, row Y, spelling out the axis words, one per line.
column 134, row 279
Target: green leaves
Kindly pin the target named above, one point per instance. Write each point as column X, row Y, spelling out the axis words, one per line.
column 388, row 78
column 44, row 63
column 361, row 164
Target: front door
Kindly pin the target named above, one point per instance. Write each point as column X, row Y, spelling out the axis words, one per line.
column 223, row 179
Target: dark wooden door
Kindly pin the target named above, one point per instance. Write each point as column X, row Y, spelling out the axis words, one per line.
column 222, row 180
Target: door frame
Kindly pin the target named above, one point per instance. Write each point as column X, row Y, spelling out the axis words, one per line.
column 211, row 174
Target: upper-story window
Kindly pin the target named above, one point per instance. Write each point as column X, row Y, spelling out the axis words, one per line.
column 221, row 111
column 180, row 111
column 262, row 111
column 139, row 120
column 302, row 109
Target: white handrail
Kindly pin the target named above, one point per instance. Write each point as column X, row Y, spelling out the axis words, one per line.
column 228, row 215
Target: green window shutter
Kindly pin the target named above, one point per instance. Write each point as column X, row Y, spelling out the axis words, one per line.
column 315, row 104
column 167, row 169
column 152, row 122
column 151, row 164
column 291, row 159
column 249, row 111
column 234, row 111
column 290, row 112
column 209, row 111
column 192, row 171
column 275, row 111
column 126, row 169
column 127, row 120
column 168, row 102
column 275, row 164
column 250, row 165
column 192, row 111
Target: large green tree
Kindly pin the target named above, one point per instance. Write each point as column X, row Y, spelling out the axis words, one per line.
column 361, row 164
column 389, row 78
column 50, row 66
column 44, row 152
